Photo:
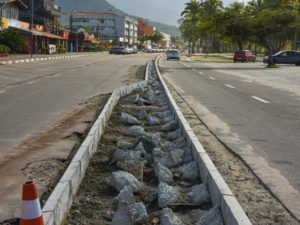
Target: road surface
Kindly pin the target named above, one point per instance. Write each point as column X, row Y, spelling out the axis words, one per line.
column 254, row 111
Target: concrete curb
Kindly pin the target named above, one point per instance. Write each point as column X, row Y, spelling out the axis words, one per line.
column 60, row 201
column 232, row 212
column 44, row 59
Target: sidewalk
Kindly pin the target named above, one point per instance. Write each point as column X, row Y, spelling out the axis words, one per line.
column 27, row 56
column 21, row 58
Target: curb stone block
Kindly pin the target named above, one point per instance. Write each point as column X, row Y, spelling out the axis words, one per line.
column 89, row 144
column 48, row 218
column 217, row 187
column 229, row 204
column 83, row 157
column 59, row 202
column 73, row 176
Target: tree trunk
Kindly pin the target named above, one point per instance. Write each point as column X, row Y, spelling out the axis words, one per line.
column 240, row 44
column 270, row 58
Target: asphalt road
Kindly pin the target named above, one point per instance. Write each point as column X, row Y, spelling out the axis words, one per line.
column 254, row 111
column 33, row 96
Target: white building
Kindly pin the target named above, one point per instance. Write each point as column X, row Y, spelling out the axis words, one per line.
column 107, row 26
column 167, row 39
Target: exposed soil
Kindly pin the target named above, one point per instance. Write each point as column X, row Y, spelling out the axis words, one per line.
column 48, row 154
column 259, row 204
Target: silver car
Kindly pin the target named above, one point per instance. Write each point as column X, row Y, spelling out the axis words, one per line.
column 173, row 54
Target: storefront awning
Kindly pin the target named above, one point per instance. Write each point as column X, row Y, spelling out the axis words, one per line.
column 26, row 31
column 49, row 35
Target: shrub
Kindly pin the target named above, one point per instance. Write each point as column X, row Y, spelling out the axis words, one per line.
column 4, row 49
column 12, row 39
column 61, row 49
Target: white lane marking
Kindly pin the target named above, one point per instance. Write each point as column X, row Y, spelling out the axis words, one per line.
column 57, row 75
column 212, row 78
column 193, row 69
column 260, row 99
column 2, row 92
column 31, row 82
column 188, row 66
column 201, row 73
column 9, row 78
column 228, row 85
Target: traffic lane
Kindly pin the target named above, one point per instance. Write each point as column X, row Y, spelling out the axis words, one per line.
column 16, row 73
column 286, row 77
column 32, row 108
column 274, row 135
column 284, row 103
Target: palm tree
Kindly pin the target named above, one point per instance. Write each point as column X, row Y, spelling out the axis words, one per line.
column 190, row 15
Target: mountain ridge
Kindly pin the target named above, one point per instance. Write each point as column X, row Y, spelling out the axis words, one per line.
column 68, row 6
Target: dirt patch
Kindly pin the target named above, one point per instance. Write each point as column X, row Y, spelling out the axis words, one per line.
column 259, row 204
column 44, row 157
column 204, row 58
column 135, row 74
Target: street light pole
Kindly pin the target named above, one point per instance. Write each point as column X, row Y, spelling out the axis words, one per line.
column 31, row 27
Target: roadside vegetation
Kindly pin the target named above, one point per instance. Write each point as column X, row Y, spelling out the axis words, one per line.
column 11, row 41
column 265, row 26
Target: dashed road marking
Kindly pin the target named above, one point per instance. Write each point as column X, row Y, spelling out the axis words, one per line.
column 201, row 73
column 57, row 75
column 31, row 82
column 13, row 78
column 212, row 78
column 228, row 85
column 193, row 69
column 2, row 92
column 260, row 99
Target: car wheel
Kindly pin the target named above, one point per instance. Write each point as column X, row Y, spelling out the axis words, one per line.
column 297, row 63
column 254, row 60
column 234, row 61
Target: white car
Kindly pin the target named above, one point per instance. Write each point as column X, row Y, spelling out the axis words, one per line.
column 173, row 54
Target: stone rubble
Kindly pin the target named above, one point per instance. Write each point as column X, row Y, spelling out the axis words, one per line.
column 159, row 174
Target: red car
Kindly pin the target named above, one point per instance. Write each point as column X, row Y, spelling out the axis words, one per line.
column 244, row 56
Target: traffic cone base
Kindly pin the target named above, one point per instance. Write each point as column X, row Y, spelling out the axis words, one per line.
column 31, row 208
column 37, row 221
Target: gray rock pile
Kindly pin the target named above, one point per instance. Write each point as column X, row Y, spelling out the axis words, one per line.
column 167, row 175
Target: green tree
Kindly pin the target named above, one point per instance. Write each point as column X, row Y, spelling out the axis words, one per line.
column 236, row 24
column 189, row 22
column 157, row 37
column 12, row 39
column 272, row 29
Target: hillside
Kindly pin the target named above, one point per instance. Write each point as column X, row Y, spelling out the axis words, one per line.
column 100, row 6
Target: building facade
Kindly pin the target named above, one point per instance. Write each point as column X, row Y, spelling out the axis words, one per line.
column 10, row 9
column 166, row 41
column 106, row 26
column 144, row 29
column 46, row 13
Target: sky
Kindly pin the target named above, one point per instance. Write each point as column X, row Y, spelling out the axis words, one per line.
column 165, row 11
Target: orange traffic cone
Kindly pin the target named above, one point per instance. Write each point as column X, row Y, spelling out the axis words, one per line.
column 31, row 209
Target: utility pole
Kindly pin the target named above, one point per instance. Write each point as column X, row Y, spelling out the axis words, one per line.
column 31, row 27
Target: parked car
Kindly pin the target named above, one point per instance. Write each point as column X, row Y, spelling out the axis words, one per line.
column 173, row 54
column 115, row 51
column 285, row 57
column 244, row 56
